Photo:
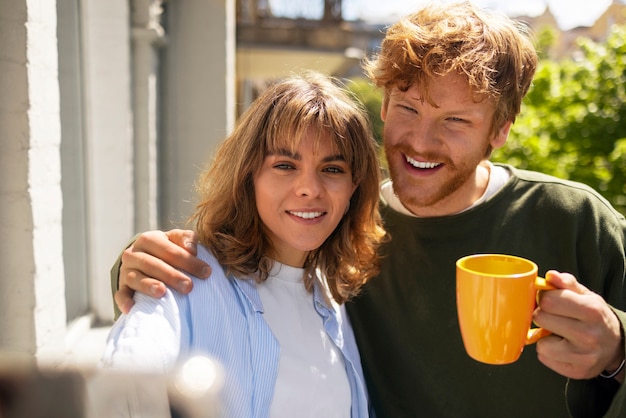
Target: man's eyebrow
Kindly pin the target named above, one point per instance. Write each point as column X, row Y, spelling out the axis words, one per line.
column 296, row 156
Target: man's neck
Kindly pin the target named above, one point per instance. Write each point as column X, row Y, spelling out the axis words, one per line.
column 496, row 178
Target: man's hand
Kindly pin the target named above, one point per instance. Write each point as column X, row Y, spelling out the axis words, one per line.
column 153, row 260
column 587, row 336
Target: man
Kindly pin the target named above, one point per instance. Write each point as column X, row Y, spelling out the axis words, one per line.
column 453, row 78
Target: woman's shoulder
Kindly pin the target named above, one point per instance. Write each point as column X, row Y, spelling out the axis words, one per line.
column 206, row 255
column 218, row 283
column 220, row 297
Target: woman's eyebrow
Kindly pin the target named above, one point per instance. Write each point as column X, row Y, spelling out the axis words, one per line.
column 286, row 153
column 336, row 157
column 296, row 156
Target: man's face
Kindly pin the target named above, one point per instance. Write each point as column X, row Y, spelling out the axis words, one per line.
column 434, row 152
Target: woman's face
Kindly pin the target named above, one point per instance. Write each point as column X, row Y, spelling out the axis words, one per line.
column 301, row 196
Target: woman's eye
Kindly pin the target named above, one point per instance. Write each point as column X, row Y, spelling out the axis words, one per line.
column 283, row 166
column 335, row 169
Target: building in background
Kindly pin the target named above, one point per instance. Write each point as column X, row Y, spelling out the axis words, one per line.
column 271, row 47
column 108, row 109
column 565, row 40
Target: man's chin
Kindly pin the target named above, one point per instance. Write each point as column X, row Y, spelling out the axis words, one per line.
column 415, row 202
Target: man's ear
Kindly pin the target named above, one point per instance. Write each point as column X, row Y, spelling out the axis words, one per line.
column 501, row 135
column 383, row 108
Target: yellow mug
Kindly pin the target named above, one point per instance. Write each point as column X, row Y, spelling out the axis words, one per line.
column 496, row 296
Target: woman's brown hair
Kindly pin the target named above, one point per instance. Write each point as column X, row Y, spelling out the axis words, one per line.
column 227, row 220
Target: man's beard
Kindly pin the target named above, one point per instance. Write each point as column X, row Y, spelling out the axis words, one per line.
column 407, row 188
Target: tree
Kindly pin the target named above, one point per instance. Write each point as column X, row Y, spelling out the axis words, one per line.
column 372, row 99
column 573, row 121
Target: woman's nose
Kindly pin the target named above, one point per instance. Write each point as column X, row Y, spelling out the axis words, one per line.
column 308, row 184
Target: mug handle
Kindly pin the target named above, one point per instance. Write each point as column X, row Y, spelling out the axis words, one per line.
column 535, row 334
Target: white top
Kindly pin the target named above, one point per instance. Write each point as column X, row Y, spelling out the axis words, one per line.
column 309, row 361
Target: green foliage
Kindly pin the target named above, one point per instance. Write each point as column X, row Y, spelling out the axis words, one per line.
column 372, row 98
column 545, row 40
column 573, row 121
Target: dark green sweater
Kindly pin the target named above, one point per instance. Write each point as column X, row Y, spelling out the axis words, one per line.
column 406, row 323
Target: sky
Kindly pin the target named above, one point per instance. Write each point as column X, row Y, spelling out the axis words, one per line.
column 568, row 13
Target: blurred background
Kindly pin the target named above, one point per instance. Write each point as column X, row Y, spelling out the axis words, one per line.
column 109, row 109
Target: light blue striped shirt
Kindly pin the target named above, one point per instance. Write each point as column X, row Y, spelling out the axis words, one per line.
column 223, row 318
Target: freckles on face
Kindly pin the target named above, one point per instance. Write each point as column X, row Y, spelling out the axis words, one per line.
column 302, row 195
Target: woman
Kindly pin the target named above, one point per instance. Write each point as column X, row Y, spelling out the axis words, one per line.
column 288, row 220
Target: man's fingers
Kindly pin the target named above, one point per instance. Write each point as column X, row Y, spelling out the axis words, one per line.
column 124, row 295
column 124, row 299
column 587, row 333
column 565, row 281
column 556, row 353
column 184, row 238
column 139, row 282
column 144, row 273
column 168, row 247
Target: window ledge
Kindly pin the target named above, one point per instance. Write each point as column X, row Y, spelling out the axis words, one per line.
column 85, row 342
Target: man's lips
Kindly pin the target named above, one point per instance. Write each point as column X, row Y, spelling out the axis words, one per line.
column 421, row 164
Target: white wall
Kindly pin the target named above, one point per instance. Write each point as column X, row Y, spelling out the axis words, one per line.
column 199, row 98
column 108, row 140
column 93, row 104
column 32, row 275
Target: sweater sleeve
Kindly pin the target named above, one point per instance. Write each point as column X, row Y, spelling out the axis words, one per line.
column 115, row 278
column 618, row 405
column 599, row 396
